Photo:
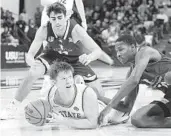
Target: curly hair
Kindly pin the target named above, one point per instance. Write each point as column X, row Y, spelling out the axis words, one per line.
column 57, row 8
column 58, row 67
column 127, row 39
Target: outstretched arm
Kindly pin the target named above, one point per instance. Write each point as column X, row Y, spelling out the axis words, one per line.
column 90, row 108
column 133, row 80
column 79, row 34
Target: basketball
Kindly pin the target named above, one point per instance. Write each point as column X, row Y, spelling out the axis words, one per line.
column 36, row 112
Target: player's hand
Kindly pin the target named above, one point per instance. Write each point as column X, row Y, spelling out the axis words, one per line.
column 85, row 59
column 102, row 117
column 30, row 60
column 84, row 25
column 53, row 118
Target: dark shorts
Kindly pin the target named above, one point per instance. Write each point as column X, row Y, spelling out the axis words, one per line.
column 79, row 69
column 165, row 103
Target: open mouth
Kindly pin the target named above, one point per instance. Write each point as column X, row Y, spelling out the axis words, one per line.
column 69, row 86
column 58, row 25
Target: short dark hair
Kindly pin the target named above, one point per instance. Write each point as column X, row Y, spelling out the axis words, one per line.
column 58, row 67
column 57, row 8
column 126, row 38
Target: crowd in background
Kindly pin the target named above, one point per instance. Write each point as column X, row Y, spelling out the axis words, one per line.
column 142, row 18
column 20, row 32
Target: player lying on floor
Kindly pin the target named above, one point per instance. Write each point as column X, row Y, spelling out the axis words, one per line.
column 147, row 62
column 73, row 105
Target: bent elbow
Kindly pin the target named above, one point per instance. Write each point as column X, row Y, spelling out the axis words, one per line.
column 93, row 124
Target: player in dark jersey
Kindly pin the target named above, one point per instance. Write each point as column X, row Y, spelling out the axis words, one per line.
column 66, row 41
column 147, row 63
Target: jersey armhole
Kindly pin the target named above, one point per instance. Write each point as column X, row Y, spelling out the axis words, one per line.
column 83, row 98
column 49, row 96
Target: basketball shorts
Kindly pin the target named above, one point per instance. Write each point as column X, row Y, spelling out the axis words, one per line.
column 79, row 69
column 165, row 103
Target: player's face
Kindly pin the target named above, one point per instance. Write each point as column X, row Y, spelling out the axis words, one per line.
column 125, row 53
column 58, row 20
column 65, row 79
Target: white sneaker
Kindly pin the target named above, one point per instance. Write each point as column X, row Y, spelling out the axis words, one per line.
column 9, row 112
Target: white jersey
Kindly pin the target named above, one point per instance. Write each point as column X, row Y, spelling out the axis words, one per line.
column 75, row 110
column 67, row 3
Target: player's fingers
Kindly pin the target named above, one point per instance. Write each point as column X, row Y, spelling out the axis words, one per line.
column 100, row 119
column 87, row 62
column 83, row 61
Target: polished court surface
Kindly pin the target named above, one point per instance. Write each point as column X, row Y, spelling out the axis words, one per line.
column 111, row 79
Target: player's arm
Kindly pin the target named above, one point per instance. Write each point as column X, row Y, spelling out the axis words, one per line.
column 79, row 34
column 80, row 8
column 90, row 108
column 133, row 80
column 37, row 43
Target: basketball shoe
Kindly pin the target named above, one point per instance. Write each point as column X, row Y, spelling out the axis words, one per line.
column 11, row 111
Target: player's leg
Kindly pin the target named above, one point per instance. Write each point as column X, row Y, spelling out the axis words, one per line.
column 152, row 116
column 34, row 73
column 167, row 78
column 155, row 115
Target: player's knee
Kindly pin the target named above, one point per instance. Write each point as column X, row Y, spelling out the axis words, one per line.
column 167, row 78
column 137, row 119
column 36, row 71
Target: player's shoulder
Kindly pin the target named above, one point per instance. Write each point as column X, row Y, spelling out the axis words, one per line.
column 145, row 51
column 86, row 90
column 81, row 86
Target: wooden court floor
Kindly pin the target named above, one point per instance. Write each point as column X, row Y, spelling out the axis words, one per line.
column 111, row 78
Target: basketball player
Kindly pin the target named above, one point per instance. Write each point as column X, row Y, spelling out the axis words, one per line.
column 66, row 40
column 69, row 6
column 145, row 61
column 73, row 105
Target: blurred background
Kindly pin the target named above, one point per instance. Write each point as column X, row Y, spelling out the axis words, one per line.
column 149, row 21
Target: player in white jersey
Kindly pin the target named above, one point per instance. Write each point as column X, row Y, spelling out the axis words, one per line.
column 69, row 6
column 73, row 104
